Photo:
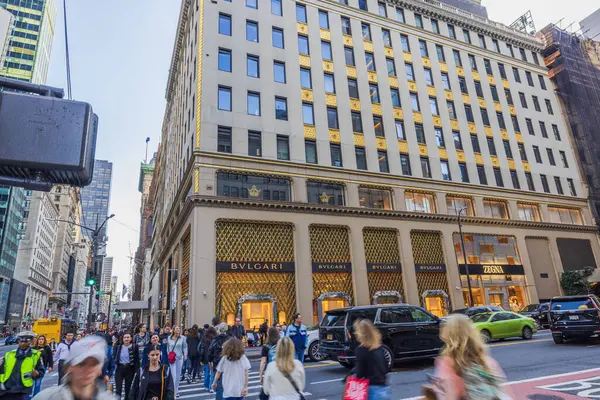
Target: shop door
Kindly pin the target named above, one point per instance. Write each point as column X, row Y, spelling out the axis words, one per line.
column 327, row 304
column 496, row 298
column 255, row 312
column 436, row 305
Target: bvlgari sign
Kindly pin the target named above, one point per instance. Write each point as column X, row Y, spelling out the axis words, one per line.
column 254, row 266
column 331, row 267
column 492, row 269
column 430, row 267
column 373, row 267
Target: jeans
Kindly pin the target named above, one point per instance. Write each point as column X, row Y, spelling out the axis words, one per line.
column 300, row 355
column 219, row 391
column 176, row 372
column 125, row 373
column 37, row 386
column 61, row 371
column 380, row 393
column 207, row 376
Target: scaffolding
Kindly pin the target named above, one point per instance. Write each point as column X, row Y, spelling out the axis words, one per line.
column 574, row 68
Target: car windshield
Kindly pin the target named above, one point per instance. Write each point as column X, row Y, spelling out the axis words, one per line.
column 333, row 319
column 484, row 317
column 529, row 308
column 572, row 304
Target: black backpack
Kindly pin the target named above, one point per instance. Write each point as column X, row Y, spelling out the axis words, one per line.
column 218, row 349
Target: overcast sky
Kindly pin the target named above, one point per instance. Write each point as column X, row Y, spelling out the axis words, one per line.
column 120, row 53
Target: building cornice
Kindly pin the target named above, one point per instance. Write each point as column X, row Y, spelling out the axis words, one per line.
column 179, row 35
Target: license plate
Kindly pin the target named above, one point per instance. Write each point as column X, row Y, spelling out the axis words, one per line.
column 330, row 336
column 575, row 317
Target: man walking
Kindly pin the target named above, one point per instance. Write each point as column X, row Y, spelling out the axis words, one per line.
column 237, row 330
column 19, row 369
column 214, row 356
column 299, row 335
column 63, row 353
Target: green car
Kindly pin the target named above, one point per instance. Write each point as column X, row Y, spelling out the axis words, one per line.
column 504, row 324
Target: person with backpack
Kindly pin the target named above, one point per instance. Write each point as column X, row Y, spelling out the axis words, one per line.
column 370, row 360
column 465, row 370
column 177, row 352
column 232, row 370
column 215, row 351
column 62, row 354
column 299, row 335
column 262, row 332
column 268, row 351
column 209, row 335
column 193, row 342
column 141, row 338
column 153, row 381
column 285, row 378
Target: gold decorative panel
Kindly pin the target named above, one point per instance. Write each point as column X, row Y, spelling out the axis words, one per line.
column 505, row 84
column 460, row 71
column 491, row 80
column 381, row 143
column 481, row 102
column 389, row 52
column 495, row 161
column 331, row 100
column 381, row 247
column 348, row 40
column 427, row 247
column 472, row 127
column 302, row 28
column 443, row 153
column 526, row 166
column 512, row 109
column 432, row 281
column 372, row 76
column 488, row 131
column 332, row 282
column 443, row 67
column 431, row 91
column 497, row 106
column 334, row 135
column 398, row 114
column 310, row 132
column 403, row 146
column 304, row 61
column 448, row 94
column 519, row 137
column 355, row 104
column 504, row 134
column 511, row 165
column 476, row 75
column 426, row 62
column 307, row 95
column 417, row 117
column 460, row 155
column 423, row 149
column 359, row 140
column 454, row 124
column 368, row 46
column 407, row 57
column 376, row 109
column 466, row 99
column 185, row 266
column 327, row 66
column 330, row 244
column 325, row 35
column 393, row 81
column 351, row 71
column 437, row 121
column 412, row 86
column 478, row 159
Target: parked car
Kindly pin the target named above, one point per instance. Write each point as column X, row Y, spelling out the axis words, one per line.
column 503, row 325
column 574, row 317
column 408, row 332
column 539, row 312
column 312, row 351
column 469, row 312
column 10, row 340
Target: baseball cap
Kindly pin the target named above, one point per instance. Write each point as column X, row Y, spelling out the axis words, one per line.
column 26, row 336
column 90, row 346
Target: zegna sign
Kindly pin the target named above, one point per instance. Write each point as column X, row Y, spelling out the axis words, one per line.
column 492, row 269
column 255, row 266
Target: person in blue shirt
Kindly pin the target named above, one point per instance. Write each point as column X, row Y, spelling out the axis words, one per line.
column 299, row 335
column 154, row 341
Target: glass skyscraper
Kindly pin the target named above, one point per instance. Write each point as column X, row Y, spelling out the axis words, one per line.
column 95, row 198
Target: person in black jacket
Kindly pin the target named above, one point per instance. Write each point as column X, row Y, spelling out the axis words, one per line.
column 193, row 342
column 153, row 381
column 127, row 359
column 41, row 345
column 214, row 356
column 207, row 338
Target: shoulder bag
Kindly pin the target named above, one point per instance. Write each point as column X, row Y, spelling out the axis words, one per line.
column 289, row 378
column 172, row 356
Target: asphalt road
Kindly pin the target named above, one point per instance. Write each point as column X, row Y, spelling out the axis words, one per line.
column 521, row 361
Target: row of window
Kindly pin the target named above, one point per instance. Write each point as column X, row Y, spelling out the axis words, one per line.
column 322, row 192
column 224, row 145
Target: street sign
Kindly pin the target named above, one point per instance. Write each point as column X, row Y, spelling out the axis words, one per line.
column 100, row 291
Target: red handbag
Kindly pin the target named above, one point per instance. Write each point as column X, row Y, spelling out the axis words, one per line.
column 356, row 389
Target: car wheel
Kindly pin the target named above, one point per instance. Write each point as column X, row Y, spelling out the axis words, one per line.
column 345, row 364
column 313, row 352
column 486, row 336
column 558, row 339
column 389, row 359
column 527, row 333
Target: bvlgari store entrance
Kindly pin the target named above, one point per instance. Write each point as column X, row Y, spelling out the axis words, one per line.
column 497, row 274
column 384, row 268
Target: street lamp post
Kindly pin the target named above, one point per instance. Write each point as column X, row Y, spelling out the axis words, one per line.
column 95, row 234
column 462, row 244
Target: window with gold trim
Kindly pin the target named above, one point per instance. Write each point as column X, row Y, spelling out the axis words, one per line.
column 455, row 204
column 375, row 198
column 495, row 209
column 565, row 215
column 254, row 187
column 325, row 193
column 529, row 212
column 420, row 202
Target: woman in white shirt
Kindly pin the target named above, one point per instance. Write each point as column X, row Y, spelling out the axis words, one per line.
column 284, row 378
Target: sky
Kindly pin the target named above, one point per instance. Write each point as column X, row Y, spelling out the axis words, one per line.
column 120, row 53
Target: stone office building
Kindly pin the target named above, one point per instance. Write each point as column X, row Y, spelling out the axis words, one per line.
column 316, row 154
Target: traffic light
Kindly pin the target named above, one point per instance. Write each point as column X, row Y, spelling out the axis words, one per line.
column 91, row 281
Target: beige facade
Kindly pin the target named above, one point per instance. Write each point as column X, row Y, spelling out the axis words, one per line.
column 354, row 137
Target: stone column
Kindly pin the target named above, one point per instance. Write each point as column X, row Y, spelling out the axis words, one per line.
column 513, row 210
column 452, row 271
column 352, row 199
column 304, row 285
column 203, row 275
column 299, row 190
column 408, row 269
column 359, row 265
column 529, row 278
column 399, row 203
column 479, row 210
column 442, row 207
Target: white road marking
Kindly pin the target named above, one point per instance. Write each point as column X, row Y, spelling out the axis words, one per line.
column 331, row 380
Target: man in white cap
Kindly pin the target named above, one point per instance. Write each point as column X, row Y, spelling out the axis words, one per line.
column 19, row 368
column 82, row 369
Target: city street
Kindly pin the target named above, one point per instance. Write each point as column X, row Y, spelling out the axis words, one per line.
column 537, row 366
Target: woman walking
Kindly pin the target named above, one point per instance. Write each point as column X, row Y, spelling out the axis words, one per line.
column 209, row 335
column 177, row 347
column 154, row 340
column 193, row 342
column 268, row 351
column 284, row 378
column 370, row 360
column 42, row 346
column 153, row 381
column 127, row 359
column 233, row 368
column 464, row 370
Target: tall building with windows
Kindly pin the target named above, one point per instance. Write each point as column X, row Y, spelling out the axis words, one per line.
column 316, row 154
column 95, row 198
column 106, row 282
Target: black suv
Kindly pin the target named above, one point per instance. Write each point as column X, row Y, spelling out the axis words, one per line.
column 574, row 317
column 539, row 312
column 469, row 312
column 408, row 332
